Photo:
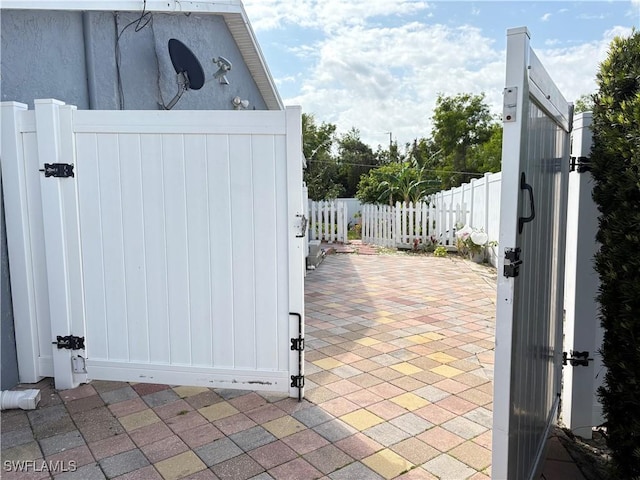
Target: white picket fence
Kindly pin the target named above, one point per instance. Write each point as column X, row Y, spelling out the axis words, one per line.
column 328, row 221
column 476, row 204
column 406, row 225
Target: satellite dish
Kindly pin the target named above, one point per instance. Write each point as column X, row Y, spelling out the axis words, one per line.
column 188, row 69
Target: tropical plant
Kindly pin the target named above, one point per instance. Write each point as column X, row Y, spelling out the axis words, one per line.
column 394, row 182
column 406, row 185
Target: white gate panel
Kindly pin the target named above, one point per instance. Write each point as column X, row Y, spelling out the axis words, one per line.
column 170, row 190
column 175, row 249
column 530, row 297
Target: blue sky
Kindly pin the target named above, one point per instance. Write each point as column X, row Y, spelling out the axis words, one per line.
column 378, row 65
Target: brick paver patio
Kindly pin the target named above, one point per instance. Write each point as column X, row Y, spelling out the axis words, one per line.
column 399, row 368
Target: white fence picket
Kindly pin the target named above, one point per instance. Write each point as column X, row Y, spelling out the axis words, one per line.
column 401, row 225
column 328, row 221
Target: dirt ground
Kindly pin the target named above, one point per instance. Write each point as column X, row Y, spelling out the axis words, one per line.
column 592, row 456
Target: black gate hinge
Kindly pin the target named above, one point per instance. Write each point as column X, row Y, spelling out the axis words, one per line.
column 70, row 342
column 297, row 381
column 59, row 170
column 297, row 344
column 581, row 164
column 577, row 359
column 512, row 269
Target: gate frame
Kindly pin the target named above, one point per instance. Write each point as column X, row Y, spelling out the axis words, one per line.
column 520, row 71
column 56, row 144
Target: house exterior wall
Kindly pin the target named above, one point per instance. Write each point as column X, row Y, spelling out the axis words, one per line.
column 71, row 56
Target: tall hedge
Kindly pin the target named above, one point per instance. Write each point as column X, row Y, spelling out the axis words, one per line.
column 616, row 171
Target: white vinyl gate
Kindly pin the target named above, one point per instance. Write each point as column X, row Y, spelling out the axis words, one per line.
column 175, row 250
column 528, row 356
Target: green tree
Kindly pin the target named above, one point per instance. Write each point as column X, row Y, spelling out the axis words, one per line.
column 322, row 172
column 487, row 157
column 460, row 124
column 355, row 159
column 615, row 159
column 584, row 103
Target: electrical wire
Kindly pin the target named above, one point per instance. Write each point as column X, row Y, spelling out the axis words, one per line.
column 147, row 18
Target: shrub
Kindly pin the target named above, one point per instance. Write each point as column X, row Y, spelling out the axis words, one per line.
column 440, row 251
column 616, row 172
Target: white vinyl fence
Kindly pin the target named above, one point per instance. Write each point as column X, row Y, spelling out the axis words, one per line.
column 482, row 198
column 328, row 221
column 174, row 251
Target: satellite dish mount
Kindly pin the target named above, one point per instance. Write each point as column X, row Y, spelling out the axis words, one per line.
column 190, row 75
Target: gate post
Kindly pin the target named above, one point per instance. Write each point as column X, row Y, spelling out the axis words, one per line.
column 55, row 145
column 581, row 409
column 296, row 255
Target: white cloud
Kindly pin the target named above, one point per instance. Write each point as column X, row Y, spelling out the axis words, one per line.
column 363, row 71
column 545, row 17
column 327, row 15
column 387, row 79
column 574, row 68
column 287, row 79
column 584, row 16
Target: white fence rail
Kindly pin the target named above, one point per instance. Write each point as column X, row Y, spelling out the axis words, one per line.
column 406, row 225
column 328, row 221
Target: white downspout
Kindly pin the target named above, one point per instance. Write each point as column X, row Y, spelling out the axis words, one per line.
column 24, row 399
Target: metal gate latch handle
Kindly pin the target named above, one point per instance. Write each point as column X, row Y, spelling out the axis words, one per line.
column 525, row 186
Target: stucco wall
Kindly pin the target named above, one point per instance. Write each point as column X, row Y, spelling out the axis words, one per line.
column 71, row 56
column 42, row 57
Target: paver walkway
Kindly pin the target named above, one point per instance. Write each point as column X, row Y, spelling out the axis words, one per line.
column 399, row 368
column 401, row 353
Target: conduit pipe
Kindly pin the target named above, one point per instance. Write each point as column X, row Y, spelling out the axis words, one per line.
column 24, row 399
